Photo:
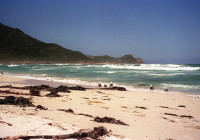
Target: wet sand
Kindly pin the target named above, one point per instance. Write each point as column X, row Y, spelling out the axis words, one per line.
column 148, row 115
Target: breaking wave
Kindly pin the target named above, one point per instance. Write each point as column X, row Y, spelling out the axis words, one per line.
column 164, row 67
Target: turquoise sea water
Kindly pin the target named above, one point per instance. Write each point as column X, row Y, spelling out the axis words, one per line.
column 184, row 78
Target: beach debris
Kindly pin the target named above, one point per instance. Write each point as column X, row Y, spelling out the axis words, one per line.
column 182, row 116
column 2, row 101
column 108, row 120
column 164, row 107
column 41, row 87
column 181, row 106
column 10, row 92
column 186, row 116
column 168, row 119
column 6, row 86
column 171, row 114
column 66, row 110
column 86, row 115
column 40, row 107
column 96, row 133
column 53, row 94
column 107, row 99
column 34, row 92
column 141, row 107
column 45, row 86
column 23, row 101
column 62, row 88
column 77, row 88
column 168, row 107
column 90, row 101
column 100, row 92
column 118, row 88
column 124, row 107
column 9, row 124
column 197, row 127
column 71, row 111
column 11, row 100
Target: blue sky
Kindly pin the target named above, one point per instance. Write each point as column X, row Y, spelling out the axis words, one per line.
column 159, row 31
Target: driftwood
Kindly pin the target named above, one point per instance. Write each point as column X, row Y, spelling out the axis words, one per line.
column 94, row 134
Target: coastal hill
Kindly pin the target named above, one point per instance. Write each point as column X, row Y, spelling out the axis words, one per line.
column 126, row 59
column 18, row 47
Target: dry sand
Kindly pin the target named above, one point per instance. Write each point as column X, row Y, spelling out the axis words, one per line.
column 146, row 113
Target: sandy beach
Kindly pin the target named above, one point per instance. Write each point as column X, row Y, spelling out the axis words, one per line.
column 147, row 115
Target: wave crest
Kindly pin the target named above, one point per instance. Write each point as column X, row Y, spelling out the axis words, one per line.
column 164, row 67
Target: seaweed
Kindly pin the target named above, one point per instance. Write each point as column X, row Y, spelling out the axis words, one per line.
column 141, row 107
column 118, row 88
column 181, row 106
column 182, row 116
column 66, row 110
column 11, row 100
column 53, row 94
column 171, row 114
column 96, row 133
column 109, row 120
column 40, row 107
column 34, row 92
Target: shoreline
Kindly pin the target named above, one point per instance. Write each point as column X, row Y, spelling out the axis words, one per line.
column 33, row 80
column 149, row 115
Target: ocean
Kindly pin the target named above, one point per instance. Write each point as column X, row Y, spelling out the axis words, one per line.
column 177, row 78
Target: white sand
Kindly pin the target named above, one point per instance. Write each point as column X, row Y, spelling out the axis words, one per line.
column 148, row 124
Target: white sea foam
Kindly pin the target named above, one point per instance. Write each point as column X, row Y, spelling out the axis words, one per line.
column 168, row 67
column 60, row 80
column 13, row 65
column 181, row 86
column 43, row 69
column 164, row 75
column 109, row 72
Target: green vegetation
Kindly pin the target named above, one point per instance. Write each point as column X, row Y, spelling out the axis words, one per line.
column 127, row 59
column 17, row 47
